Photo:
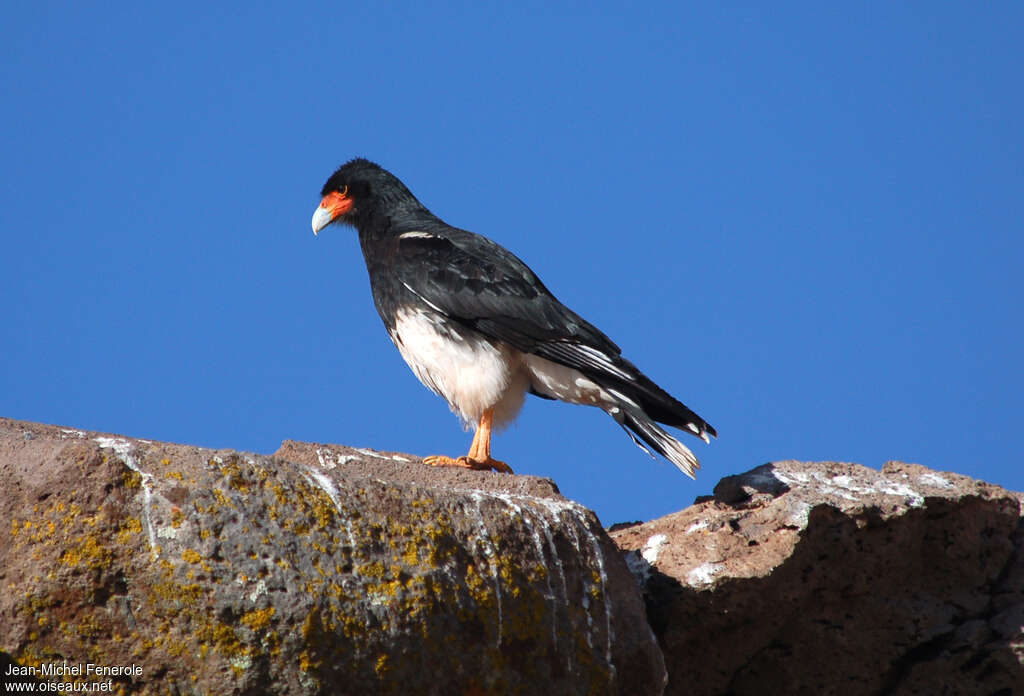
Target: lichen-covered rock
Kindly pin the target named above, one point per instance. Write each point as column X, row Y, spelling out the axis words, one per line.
column 318, row 570
column 825, row 578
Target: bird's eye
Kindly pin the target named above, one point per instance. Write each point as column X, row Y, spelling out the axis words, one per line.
column 344, row 191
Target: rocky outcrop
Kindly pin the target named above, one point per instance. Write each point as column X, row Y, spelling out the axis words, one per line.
column 330, row 570
column 829, row 578
column 318, row 570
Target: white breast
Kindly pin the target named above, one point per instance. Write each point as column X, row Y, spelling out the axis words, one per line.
column 469, row 371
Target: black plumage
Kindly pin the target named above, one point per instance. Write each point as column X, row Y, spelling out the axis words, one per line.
column 465, row 294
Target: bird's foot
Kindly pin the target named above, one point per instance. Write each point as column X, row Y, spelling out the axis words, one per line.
column 464, row 462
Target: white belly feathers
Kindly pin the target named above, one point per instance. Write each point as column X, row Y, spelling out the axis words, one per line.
column 473, row 373
column 470, row 372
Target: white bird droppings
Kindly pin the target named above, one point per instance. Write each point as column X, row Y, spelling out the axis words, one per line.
column 652, row 548
column 259, row 589
column 696, row 527
column 931, row 479
column 321, row 481
column 703, row 575
column 913, row 498
column 123, row 450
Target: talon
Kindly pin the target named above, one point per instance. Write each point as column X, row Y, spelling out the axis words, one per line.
column 441, row 460
column 465, row 462
column 493, row 465
column 479, row 457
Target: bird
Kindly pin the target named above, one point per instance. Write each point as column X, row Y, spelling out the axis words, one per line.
column 479, row 328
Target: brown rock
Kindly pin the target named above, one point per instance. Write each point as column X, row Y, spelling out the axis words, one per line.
column 825, row 578
column 318, row 570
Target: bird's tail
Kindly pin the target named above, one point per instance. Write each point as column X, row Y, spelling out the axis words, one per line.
column 642, row 429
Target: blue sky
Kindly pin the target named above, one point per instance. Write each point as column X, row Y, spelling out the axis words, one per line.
column 805, row 222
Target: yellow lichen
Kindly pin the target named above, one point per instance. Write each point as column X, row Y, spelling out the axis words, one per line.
column 372, row 570
column 129, row 527
column 258, row 619
column 179, row 593
column 191, row 556
column 87, row 551
column 131, row 479
column 280, row 494
column 89, row 627
column 223, row 638
column 223, row 499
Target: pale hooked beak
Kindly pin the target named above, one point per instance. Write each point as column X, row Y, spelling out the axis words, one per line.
column 321, row 219
column 334, row 204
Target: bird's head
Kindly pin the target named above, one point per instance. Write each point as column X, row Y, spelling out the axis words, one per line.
column 357, row 191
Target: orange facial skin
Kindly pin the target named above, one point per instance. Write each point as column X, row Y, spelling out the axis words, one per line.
column 337, row 203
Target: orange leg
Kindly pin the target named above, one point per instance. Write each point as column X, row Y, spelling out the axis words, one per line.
column 479, row 456
column 474, row 447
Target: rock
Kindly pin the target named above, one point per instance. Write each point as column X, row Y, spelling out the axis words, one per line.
column 326, row 569
column 825, row 578
column 317, row 570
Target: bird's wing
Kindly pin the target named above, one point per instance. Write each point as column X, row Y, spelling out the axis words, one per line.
column 480, row 284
